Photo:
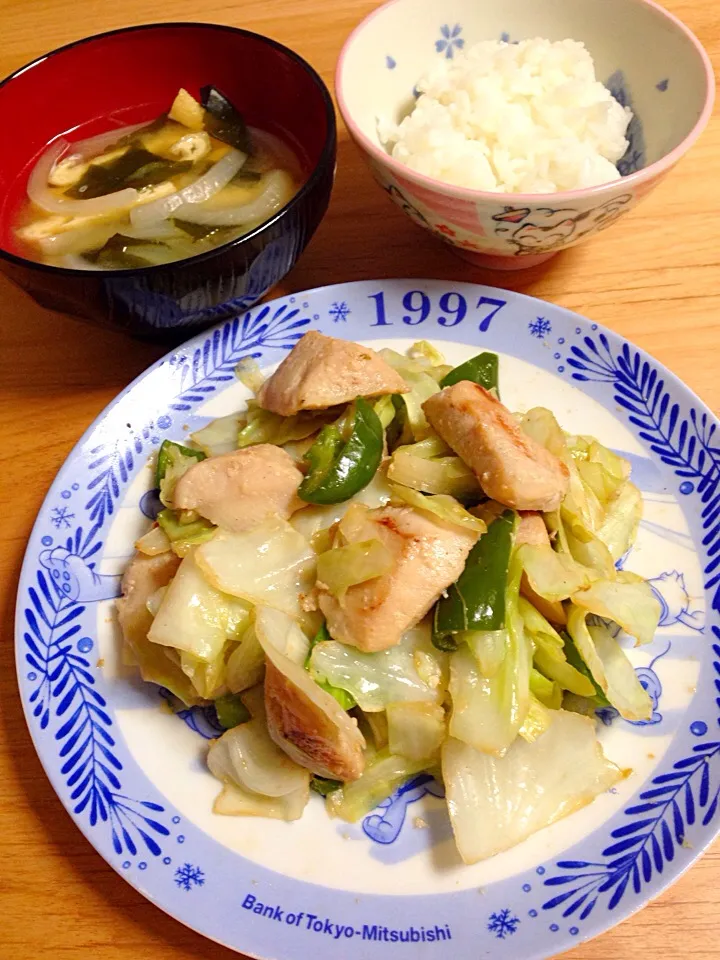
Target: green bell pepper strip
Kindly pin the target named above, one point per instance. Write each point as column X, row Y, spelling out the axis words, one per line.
column 476, row 601
column 345, row 699
column 321, row 636
column 197, row 531
column 573, row 657
column 345, row 456
column 398, row 430
column 167, row 452
column 231, row 711
column 481, row 369
column 323, row 786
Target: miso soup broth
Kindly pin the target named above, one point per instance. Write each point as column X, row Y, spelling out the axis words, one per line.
column 152, row 193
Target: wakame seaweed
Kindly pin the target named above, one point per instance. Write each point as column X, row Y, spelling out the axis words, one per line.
column 117, row 252
column 202, row 231
column 223, row 121
column 246, row 176
column 137, row 168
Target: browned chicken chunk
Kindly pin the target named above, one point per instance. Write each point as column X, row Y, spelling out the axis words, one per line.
column 531, row 529
column 321, row 372
column 428, row 555
column 142, row 578
column 310, row 735
column 240, row 490
column 510, row 466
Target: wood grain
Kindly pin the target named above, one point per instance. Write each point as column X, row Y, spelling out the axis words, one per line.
column 654, row 277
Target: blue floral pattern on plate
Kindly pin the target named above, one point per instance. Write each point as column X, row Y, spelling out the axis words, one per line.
column 73, row 712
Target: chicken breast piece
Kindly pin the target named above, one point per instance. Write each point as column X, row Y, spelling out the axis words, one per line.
column 309, row 734
column 510, row 466
column 531, row 529
column 241, row 489
column 428, row 555
column 142, row 578
column 321, row 372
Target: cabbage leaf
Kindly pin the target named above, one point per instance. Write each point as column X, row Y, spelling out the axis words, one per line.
column 439, row 475
column 271, row 564
column 609, row 666
column 245, row 666
column 246, row 756
column 194, row 617
column 488, row 712
column 415, row 730
column 219, row 436
column 382, row 776
column 554, row 576
column 234, row 801
column 389, row 676
column 343, row 567
column 633, row 606
column 495, row 803
column 439, row 505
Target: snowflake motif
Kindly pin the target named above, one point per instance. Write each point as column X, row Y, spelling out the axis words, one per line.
column 61, row 517
column 339, row 311
column 540, row 328
column 187, row 876
column 503, row 924
column 450, row 40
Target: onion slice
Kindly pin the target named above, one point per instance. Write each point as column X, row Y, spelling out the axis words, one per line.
column 41, row 195
column 277, row 192
column 217, row 177
column 93, row 146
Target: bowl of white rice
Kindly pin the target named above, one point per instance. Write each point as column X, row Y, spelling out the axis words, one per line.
column 514, row 130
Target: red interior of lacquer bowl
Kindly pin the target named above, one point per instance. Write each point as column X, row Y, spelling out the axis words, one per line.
column 132, row 76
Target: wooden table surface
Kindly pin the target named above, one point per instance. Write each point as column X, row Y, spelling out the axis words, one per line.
column 654, row 277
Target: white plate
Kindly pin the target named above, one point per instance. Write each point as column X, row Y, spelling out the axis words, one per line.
column 133, row 776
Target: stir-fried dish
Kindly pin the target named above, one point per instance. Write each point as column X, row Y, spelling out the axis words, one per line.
column 377, row 570
column 148, row 194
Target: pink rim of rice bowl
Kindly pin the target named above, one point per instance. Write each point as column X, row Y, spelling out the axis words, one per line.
column 649, row 172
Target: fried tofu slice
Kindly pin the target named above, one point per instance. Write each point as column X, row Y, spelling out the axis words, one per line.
column 321, row 372
column 428, row 555
column 241, row 489
column 510, row 466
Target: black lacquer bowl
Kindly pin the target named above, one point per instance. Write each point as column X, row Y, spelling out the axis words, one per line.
column 131, row 75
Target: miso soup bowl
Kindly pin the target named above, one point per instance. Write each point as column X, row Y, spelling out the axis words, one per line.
column 128, row 76
column 649, row 60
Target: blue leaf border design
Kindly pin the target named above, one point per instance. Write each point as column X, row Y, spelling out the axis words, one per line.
column 65, row 696
column 656, row 826
column 609, row 879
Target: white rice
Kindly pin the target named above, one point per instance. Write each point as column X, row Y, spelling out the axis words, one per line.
column 526, row 117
